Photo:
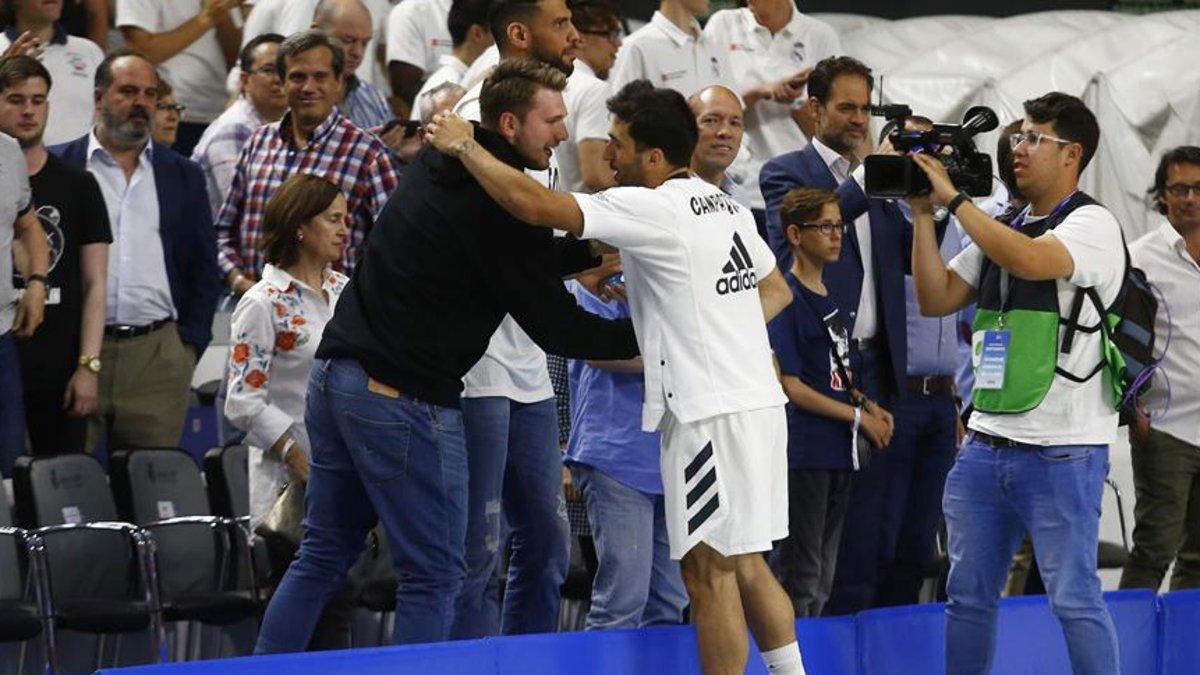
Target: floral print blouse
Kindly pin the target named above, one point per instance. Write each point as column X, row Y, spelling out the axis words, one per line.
column 276, row 328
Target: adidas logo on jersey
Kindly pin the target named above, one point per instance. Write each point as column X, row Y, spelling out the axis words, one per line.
column 738, row 273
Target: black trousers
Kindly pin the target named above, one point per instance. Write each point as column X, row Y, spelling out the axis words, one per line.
column 804, row 562
column 51, row 430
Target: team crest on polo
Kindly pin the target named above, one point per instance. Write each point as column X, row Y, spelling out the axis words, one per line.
column 738, row 272
column 798, row 51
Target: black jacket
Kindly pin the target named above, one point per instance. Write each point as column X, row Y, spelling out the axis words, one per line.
column 443, row 265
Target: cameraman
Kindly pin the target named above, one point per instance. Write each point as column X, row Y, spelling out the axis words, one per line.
column 1037, row 454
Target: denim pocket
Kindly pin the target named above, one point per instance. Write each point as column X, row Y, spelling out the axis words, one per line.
column 1066, row 453
column 383, row 447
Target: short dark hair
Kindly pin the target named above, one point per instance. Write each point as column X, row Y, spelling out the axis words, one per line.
column 16, row 69
column 1184, row 154
column 246, row 56
column 1070, row 119
column 657, row 118
column 463, row 15
column 594, row 15
column 104, row 76
column 503, row 12
column 803, row 204
column 298, row 43
column 298, row 200
column 820, row 81
column 1004, row 157
column 511, row 88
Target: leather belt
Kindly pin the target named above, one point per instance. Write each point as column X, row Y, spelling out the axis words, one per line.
column 866, row 344
column 931, row 384
column 121, row 332
column 993, row 441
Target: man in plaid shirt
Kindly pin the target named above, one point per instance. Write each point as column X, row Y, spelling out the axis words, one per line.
column 313, row 137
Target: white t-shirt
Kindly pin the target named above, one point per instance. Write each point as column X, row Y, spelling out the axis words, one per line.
column 15, row 198
column 418, row 33
column 692, row 258
column 671, row 58
column 198, row 72
column 72, row 65
column 451, row 70
column 757, row 57
column 513, row 365
column 1072, row 413
column 587, row 119
column 481, row 67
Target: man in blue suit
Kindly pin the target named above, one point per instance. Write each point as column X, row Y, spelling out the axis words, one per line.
column 162, row 271
column 866, row 284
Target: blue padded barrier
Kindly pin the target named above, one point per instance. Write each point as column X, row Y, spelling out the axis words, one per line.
column 1180, row 633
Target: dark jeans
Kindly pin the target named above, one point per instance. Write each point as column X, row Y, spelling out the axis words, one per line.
column 515, row 475
column 915, row 465
column 804, row 562
column 12, row 404
column 1166, row 476
column 376, row 458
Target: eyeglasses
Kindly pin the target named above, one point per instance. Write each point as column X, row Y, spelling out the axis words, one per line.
column 269, row 71
column 613, row 35
column 1034, row 139
column 824, row 228
column 1183, row 190
column 176, row 107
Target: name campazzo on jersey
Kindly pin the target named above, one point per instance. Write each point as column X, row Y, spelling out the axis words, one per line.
column 714, row 203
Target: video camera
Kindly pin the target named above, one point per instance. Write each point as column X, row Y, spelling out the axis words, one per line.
column 953, row 144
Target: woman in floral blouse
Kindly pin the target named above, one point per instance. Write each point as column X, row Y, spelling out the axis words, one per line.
column 276, row 328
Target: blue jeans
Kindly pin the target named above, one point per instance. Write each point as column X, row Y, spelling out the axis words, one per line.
column 514, row 461
column 637, row 584
column 993, row 496
column 12, row 404
column 375, row 458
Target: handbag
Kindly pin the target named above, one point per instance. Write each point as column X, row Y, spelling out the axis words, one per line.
column 284, row 523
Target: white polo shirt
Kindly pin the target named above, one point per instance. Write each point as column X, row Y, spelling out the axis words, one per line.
column 587, row 119
column 197, row 73
column 669, row 57
column 72, row 64
column 1163, row 256
column 418, row 33
column 451, row 70
column 692, row 259
column 513, row 365
column 757, row 57
column 481, row 67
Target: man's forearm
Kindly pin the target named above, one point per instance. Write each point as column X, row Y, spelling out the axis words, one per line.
column 517, row 193
column 159, row 47
column 36, row 258
column 95, row 271
column 1031, row 259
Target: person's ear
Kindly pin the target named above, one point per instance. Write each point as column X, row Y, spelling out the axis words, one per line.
column 519, row 35
column 793, row 234
column 508, row 125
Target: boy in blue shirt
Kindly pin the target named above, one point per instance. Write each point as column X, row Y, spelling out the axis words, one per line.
column 827, row 417
column 616, row 466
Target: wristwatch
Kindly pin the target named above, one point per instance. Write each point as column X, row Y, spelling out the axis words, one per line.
column 92, row 363
column 957, row 202
column 37, row 277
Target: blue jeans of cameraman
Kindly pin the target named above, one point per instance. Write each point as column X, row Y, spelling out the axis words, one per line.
column 993, row 496
column 515, row 477
column 375, row 458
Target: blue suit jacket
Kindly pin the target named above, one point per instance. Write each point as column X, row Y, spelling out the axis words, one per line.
column 891, row 248
column 188, row 239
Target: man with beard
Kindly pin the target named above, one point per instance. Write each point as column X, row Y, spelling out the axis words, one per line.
column 508, row 402
column 162, row 275
column 60, row 364
column 701, row 282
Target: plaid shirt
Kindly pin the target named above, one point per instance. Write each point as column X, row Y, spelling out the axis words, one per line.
column 337, row 150
column 219, row 148
column 366, row 106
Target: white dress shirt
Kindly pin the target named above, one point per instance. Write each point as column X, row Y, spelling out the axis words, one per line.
column 275, row 331
column 219, row 147
column 866, row 323
column 1162, row 254
column 138, row 292
column 686, row 61
column 758, row 57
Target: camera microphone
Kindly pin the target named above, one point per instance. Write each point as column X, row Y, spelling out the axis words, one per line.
column 979, row 119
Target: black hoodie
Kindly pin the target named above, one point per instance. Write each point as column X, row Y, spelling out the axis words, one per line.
column 443, row 265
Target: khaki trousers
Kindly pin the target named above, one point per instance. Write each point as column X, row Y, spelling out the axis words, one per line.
column 144, row 386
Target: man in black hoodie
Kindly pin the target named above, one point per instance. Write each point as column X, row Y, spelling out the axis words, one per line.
column 443, row 265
